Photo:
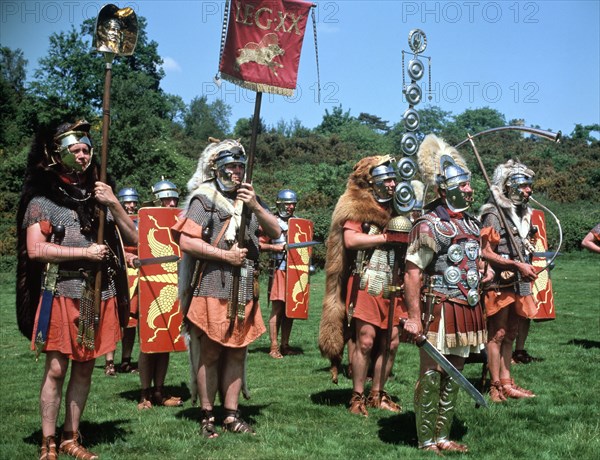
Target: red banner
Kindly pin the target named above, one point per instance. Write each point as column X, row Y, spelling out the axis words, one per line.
column 263, row 45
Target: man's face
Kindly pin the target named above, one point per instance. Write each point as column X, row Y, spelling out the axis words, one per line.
column 78, row 157
column 460, row 197
column 169, row 202
column 130, row 207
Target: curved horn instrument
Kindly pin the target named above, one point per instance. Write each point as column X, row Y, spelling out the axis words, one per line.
column 554, row 137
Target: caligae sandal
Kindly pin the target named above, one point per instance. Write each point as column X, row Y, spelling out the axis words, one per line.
column 275, row 353
column 236, row 424
column 70, row 446
column 48, row 451
column 207, row 424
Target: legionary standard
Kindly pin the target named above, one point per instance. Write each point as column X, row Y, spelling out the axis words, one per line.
column 261, row 42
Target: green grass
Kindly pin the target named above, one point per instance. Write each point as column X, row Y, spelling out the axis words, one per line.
column 298, row 413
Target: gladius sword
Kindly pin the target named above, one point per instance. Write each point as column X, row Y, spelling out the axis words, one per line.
column 422, row 342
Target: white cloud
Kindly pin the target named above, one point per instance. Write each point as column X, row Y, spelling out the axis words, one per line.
column 170, row 64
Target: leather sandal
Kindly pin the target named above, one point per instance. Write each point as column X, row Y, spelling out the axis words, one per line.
column 382, row 400
column 70, row 446
column 236, row 424
column 513, row 391
column 275, row 353
column 522, row 357
column 358, row 404
column 167, row 401
column 286, row 350
column 109, row 369
column 452, row 446
column 127, row 368
column 48, row 451
column 207, row 424
column 497, row 392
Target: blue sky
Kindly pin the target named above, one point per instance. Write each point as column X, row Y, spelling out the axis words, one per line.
column 537, row 60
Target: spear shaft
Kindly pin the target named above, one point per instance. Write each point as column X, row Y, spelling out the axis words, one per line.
column 241, row 236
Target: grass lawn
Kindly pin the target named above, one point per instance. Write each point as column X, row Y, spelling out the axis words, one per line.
column 298, row 413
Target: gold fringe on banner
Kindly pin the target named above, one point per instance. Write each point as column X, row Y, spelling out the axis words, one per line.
column 258, row 87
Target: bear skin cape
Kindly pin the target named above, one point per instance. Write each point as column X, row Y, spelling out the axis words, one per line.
column 40, row 180
column 356, row 204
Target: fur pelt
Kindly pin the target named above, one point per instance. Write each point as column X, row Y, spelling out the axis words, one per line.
column 501, row 176
column 205, row 169
column 357, row 204
column 42, row 180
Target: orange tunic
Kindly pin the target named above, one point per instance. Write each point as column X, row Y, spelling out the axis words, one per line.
column 210, row 314
column 62, row 330
column 278, row 286
column 496, row 300
column 371, row 309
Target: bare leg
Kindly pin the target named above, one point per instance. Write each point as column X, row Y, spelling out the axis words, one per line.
column 497, row 325
column 51, row 390
column 78, row 389
column 208, row 372
column 361, row 357
column 127, row 343
column 522, row 333
column 161, row 366
column 275, row 320
column 378, row 385
column 232, row 373
column 286, row 331
column 146, row 367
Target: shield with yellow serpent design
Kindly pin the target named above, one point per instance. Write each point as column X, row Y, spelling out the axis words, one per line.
column 160, row 315
column 542, row 286
column 297, row 272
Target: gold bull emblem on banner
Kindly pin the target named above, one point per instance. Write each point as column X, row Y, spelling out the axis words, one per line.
column 262, row 53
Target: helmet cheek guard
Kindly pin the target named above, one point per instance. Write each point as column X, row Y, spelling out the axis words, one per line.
column 514, row 188
column 222, row 165
column 64, row 156
column 284, row 199
column 379, row 175
column 450, row 180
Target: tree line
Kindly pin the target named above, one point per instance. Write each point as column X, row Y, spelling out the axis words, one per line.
column 154, row 133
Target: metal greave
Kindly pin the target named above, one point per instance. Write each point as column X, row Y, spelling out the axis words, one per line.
column 447, row 404
column 426, row 403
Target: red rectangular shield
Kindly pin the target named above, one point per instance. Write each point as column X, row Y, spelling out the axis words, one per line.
column 297, row 289
column 542, row 286
column 160, row 316
column 263, row 45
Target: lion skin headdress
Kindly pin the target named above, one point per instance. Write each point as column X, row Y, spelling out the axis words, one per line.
column 502, row 174
column 357, row 204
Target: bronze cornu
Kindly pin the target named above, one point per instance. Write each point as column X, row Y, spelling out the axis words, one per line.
column 554, row 137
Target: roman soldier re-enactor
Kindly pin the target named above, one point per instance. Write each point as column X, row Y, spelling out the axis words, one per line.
column 286, row 206
column 358, row 276
column 509, row 298
column 129, row 198
column 58, row 256
column 153, row 367
column 443, row 262
column 208, row 239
